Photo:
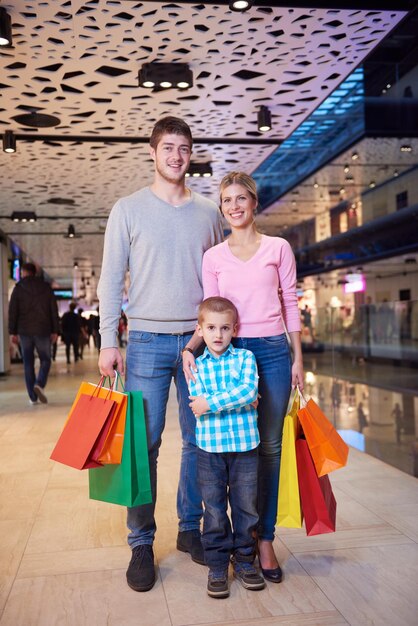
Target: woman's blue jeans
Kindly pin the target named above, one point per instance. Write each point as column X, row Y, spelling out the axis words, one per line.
column 152, row 361
column 228, row 476
column 275, row 375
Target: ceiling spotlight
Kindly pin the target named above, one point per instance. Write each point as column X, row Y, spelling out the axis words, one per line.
column 9, row 141
column 165, row 75
column 396, row 173
column 346, row 168
column 5, row 28
column 240, row 5
column 264, row 119
column 315, row 185
column 23, row 216
column 372, row 184
column 75, row 265
column 406, row 148
column 71, row 234
column 354, row 156
column 200, row 169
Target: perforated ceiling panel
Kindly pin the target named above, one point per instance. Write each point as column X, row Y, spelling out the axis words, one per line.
column 79, row 62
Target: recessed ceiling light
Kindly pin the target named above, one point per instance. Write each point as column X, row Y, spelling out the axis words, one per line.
column 37, row 120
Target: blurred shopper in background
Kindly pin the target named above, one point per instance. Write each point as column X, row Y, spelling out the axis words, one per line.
column 70, row 325
column 33, row 321
column 83, row 335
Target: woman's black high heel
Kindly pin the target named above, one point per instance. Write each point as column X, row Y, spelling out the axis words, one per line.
column 273, row 575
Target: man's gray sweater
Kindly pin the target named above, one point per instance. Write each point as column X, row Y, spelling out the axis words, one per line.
column 162, row 247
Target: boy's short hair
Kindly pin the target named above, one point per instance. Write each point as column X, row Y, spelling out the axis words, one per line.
column 170, row 126
column 216, row 304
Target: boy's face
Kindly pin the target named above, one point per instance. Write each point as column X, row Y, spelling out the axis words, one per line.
column 217, row 329
column 172, row 157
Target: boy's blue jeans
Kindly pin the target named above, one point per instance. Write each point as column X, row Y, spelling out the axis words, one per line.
column 228, row 476
column 274, row 369
column 152, row 360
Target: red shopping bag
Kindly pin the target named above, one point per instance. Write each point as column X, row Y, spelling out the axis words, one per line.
column 329, row 451
column 318, row 503
column 108, row 450
column 87, row 426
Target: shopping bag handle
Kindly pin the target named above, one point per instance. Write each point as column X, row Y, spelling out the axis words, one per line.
column 295, row 403
column 100, row 385
column 117, row 380
column 302, row 399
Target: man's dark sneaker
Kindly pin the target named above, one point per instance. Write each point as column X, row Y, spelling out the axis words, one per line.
column 248, row 575
column 218, row 583
column 191, row 541
column 40, row 394
column 140, row 574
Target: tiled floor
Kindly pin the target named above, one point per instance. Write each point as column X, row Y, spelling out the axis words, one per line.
column 63, row 557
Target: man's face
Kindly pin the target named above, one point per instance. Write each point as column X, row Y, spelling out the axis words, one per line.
column 172, row 157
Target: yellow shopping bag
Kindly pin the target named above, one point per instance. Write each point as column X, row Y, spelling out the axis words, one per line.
column 289, row 512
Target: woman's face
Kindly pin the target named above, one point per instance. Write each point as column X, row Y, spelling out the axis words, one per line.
column 238, row 206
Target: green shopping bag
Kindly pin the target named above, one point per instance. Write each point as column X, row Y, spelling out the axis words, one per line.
column 129, row 483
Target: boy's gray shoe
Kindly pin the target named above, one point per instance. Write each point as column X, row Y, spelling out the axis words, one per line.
column 248, row 575
column 218, row 583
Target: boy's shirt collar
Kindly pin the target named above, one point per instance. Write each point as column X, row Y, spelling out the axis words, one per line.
column 208, row 355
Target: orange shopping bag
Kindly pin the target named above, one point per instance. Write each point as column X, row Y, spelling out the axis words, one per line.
column 110, row 451
column 329, row 451
column 89, row 417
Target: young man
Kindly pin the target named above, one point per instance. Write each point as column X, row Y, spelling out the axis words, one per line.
column 33, row 320
column 160, row 234
column 227, row 437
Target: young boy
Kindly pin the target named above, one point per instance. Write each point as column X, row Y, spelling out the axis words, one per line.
column 227, row 439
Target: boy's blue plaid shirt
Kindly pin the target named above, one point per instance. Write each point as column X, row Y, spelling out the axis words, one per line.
column 229, row 384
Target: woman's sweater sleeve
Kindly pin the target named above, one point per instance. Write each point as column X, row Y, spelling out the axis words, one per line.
column 209, row 276
column 287, row 276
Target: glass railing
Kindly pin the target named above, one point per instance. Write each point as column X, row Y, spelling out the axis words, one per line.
column 361, row 367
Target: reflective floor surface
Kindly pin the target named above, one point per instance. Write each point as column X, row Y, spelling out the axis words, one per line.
column 63, row 557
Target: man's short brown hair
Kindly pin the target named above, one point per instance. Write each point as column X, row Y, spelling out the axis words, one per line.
column 216, row 304
column 170, row 126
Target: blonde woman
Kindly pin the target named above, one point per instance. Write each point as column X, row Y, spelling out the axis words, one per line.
column 250, row 268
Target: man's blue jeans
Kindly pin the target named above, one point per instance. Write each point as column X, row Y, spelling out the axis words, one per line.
column 28, row 343
column 152, row 361
column 233, row 476
column 275, row 374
